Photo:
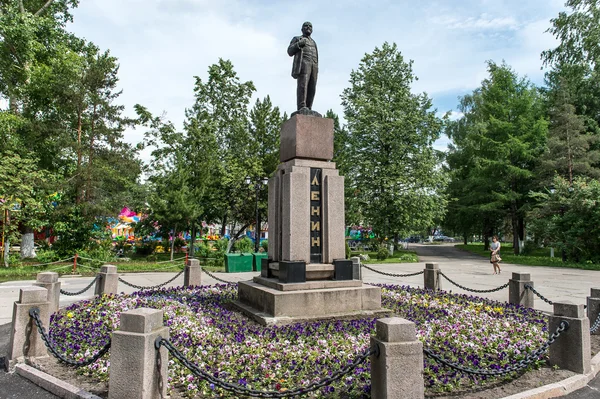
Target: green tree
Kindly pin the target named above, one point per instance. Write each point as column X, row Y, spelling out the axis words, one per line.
column 496, row 149
column 570, row 148
column 395, row 173
column 568, row 218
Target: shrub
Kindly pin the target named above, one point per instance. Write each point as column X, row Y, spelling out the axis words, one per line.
column 265, row 245
column 383, row 253
column 146, row 248
column 244, row 245
column 46, row 256
column 348, row 251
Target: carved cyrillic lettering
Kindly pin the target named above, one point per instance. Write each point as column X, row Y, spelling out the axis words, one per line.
column 315, row 210
column 315, row 241
column 315, row 226
column 315, row 181
column 314, row 196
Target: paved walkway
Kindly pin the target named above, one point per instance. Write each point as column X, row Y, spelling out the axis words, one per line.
column 469, row 270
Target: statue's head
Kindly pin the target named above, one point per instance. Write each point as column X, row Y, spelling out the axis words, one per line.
column 307, row 28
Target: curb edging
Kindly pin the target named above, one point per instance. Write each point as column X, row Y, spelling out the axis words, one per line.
column 52, row 384
column 561, row 388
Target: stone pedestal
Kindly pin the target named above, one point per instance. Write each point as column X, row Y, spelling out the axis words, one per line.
column 25, row 340
column 431, row 277
column 306, row 276
column 593, row 308
column 517, row 293
column 398, row 370
column 133, row 358
column 192, row 276
column 108, row 281
column 571, row 350
column 49, row 281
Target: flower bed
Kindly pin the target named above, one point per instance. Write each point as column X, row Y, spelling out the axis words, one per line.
column 464, row 329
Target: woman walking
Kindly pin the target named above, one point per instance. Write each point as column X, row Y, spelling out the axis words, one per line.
column 495, row 254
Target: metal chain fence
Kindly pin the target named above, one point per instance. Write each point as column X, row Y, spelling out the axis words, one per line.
column 80, row 291
column 474, row 290
column 217, row 278
column 141, row 287
column 521, row 364
column 596, row 325
column 543, row 298
column 391, row 274
column 34, row 313
column 241, row 390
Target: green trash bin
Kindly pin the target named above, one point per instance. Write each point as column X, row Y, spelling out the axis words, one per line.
column 258, row 256
column 237, row 263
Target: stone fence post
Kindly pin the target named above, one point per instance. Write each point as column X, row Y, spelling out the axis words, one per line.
column 192, row 276
column 593, row 307
column 571, row 350
column 356, row 272
column 397, row 373
column 133, row 358
column 517, row 293
column 49, row 281
column 25, row 340
column 108, row 280
column 431, row 277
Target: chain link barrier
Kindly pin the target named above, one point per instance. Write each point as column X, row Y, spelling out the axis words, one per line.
column 241, row 390
column 520, row 365
column 217, row 278
column 596, row 325
column 141, row 287
column 474, row 290
column 34, row 313
column 391, row 274
column 543, row 298
column 80, row 291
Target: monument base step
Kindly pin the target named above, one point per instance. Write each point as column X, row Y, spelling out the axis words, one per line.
column 309, row 285
column 269, row 306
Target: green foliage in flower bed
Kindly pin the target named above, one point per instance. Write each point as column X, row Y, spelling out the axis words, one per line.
column 469, row 330
column 538, row 257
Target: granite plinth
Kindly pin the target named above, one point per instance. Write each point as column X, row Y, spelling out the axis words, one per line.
column 271, row 306
column 314, row 271
column 304, row 136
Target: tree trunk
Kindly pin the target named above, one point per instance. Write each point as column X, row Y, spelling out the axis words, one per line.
column 515, row 227
column 173, row 241
column 79, row 156
column 6, row 251
column 465, row 237
column 88, row 190
column 223, row 225
column 191, row 248
column 27, row 244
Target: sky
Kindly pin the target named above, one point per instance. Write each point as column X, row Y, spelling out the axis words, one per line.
column 162, row 44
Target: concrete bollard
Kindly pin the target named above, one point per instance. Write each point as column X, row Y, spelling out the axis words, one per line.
column 25, row 340
column 431, row 277
column 356, row 272
column 133, row 358
column 49, row 281
column 192, row 276
column 517, row 293
column 108, row 280
column 593, row 308
column 397, row 373
column 570, row 351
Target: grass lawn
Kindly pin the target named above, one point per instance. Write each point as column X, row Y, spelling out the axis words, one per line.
column 539, row 257
column 28, row 269
column 400, row 256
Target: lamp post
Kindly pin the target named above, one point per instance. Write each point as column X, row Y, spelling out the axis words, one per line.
column 258, row 183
